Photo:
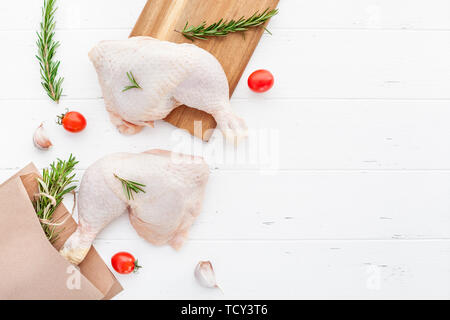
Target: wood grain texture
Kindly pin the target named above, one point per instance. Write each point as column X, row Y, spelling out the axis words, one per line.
column 160, row 19
column 364, row 157
column 290, row 270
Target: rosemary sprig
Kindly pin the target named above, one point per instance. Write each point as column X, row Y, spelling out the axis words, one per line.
column 224, row 27
column 130, row 186
column 46, row 52
column 134, row 84
column 56, row 182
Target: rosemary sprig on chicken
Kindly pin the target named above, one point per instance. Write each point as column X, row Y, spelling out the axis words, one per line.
column 224, row 27
column 47, row 46
column 130, row 186
column 56, row 182
column 134, row 84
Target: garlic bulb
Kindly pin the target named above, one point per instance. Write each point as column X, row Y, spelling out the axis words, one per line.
column 204, row 273
column 40, row 138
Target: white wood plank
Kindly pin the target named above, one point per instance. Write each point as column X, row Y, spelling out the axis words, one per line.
column 337, row 134
column 113, row 14
column 316, row 205
column 306, row 63
column 307, row 134
column 80, row 76
column 290, row 270
column 80, row 14
column 353, row 64
column 366, row 14
column 292, row 205
column 360, row 108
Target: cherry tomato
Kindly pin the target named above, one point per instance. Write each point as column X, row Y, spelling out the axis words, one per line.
column 260, row 81
column 72, row 121
column 124, row 263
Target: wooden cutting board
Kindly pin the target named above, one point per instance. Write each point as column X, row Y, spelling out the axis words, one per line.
column 160, row 19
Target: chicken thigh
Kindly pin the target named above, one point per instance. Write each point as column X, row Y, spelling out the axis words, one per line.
column 174, row 190
column 168, row 75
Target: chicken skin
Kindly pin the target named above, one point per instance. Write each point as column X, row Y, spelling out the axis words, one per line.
column 167, row 75
column 162, row 214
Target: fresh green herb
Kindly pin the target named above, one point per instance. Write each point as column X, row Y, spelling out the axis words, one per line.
column 224, row 27
column 130, row 186
column 56, row 182
column 134, row 84
column 47, row 46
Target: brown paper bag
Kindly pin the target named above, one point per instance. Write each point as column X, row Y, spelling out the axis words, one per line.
column 30, row 266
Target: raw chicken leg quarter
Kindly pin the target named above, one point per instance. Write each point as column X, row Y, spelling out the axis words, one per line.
column 168, row 75
column 174, row 190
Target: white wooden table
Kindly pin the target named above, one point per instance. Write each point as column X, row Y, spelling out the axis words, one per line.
column 358, row 205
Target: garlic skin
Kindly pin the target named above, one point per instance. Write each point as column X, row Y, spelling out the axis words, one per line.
column 40, row 138
column 204, row 273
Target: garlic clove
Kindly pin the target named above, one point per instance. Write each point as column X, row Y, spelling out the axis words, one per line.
column 40, row 138
column 204, row 273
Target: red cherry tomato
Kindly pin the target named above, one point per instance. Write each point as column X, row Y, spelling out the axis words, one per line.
column 260, row 81
column 124, row 263
column 72, row 121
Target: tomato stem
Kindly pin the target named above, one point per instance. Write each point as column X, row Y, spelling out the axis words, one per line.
column 59, row 119
column 136, row 266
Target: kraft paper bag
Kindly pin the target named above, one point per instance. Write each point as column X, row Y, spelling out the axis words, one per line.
column 31, row 267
